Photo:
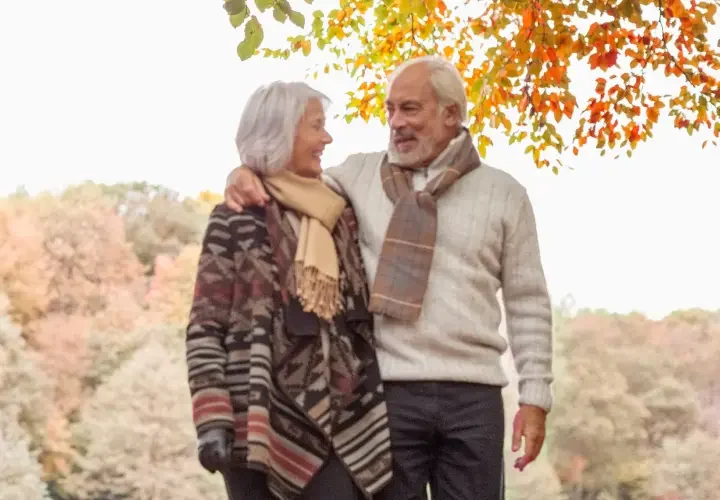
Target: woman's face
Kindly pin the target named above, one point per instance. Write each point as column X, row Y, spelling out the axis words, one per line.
column 310, row 141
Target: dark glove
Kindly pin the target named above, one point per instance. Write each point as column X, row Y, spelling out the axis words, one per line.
column 214, row 449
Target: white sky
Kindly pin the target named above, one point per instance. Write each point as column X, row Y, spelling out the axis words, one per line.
column 152, row 90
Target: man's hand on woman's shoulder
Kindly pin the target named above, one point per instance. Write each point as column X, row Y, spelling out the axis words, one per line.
column 243, row 189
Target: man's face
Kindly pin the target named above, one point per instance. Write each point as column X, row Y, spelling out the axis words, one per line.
column 420, row 129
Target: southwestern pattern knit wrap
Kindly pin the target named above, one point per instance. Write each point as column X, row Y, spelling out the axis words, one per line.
column 256, row 364
column 407, row 251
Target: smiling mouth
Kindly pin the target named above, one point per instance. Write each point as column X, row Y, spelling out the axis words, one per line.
column 317, row 154
column 404, row 142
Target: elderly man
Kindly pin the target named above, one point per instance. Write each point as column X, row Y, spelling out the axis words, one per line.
column 441, row 233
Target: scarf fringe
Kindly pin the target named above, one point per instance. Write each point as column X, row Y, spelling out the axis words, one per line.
column 317, row 292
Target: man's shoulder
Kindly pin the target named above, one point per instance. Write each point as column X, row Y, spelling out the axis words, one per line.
column 363, row 159
column 357, row 170
column 499, row 179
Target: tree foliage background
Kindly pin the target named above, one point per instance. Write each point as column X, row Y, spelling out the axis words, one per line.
column 553, row 75
column 95, row 287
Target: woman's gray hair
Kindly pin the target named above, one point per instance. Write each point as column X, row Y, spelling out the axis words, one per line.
column 445, row 79
column 266, row 133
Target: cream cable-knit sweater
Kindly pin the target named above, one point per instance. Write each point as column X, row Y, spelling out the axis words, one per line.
column 486, row 240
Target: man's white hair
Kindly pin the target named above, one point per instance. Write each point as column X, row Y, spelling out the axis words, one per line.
column 445, row 79
column 266, row 133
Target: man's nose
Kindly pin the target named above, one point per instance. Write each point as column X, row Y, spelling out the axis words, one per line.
column 397, row 121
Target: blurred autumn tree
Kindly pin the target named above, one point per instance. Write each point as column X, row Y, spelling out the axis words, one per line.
column 171, row 288
column 63, row 254
column 693, row 336
column 158, row 221
column 68, row 257
column 23, row 396
column 136, row 436
column 518, row 59
column 20, row 472
column 623, row 406
column 684, row 468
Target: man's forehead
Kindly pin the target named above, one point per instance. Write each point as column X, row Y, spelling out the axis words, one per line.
column 409, row 87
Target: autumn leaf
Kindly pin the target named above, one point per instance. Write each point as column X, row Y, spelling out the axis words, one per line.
column 253, row 39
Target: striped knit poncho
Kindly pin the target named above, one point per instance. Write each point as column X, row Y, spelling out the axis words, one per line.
column 256, row 363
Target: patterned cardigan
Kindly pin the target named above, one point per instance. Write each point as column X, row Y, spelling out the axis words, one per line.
column 255, row 359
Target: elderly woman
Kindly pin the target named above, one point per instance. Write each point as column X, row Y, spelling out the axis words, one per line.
column 286, row 393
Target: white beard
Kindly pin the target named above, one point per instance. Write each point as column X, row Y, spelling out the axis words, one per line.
column 417, row 156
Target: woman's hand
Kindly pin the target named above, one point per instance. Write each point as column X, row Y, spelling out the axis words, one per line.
column 215, row 449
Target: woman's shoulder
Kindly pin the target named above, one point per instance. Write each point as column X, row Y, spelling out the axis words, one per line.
column 246, row 225
column 223, row 214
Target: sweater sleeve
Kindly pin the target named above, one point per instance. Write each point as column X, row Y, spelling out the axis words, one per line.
column 212, row 302
column 528, row 309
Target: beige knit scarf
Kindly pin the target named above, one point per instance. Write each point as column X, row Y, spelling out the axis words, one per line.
column 317, row 269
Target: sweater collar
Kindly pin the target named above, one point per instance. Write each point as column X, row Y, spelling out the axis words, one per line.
column 440, row 163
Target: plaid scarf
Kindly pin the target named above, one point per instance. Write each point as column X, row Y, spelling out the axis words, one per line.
column 407, row 251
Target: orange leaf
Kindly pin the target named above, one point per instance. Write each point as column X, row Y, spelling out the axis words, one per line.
column 523, row 102
column 536, row 98
column 527, row 18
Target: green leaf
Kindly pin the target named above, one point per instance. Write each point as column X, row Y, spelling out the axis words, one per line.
column 233, row 7
column 318, row 14
column 477, row 84
column 263, row 5
column 297, row 19
column 245, row 50
column 309, row 2
column 237, row 19
column 279, row 15
column 253, row 39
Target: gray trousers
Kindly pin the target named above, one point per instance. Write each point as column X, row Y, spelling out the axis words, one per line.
column 332, row 482
column 448, row 435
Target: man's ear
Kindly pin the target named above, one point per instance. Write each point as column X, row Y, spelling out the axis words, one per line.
column 451, row 116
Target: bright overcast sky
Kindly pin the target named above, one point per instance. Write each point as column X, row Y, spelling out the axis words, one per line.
column 151, row 90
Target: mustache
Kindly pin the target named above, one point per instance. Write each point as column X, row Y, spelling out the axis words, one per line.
column 401, row 134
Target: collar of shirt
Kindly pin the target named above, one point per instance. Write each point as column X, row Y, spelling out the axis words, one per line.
column 440, row 163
